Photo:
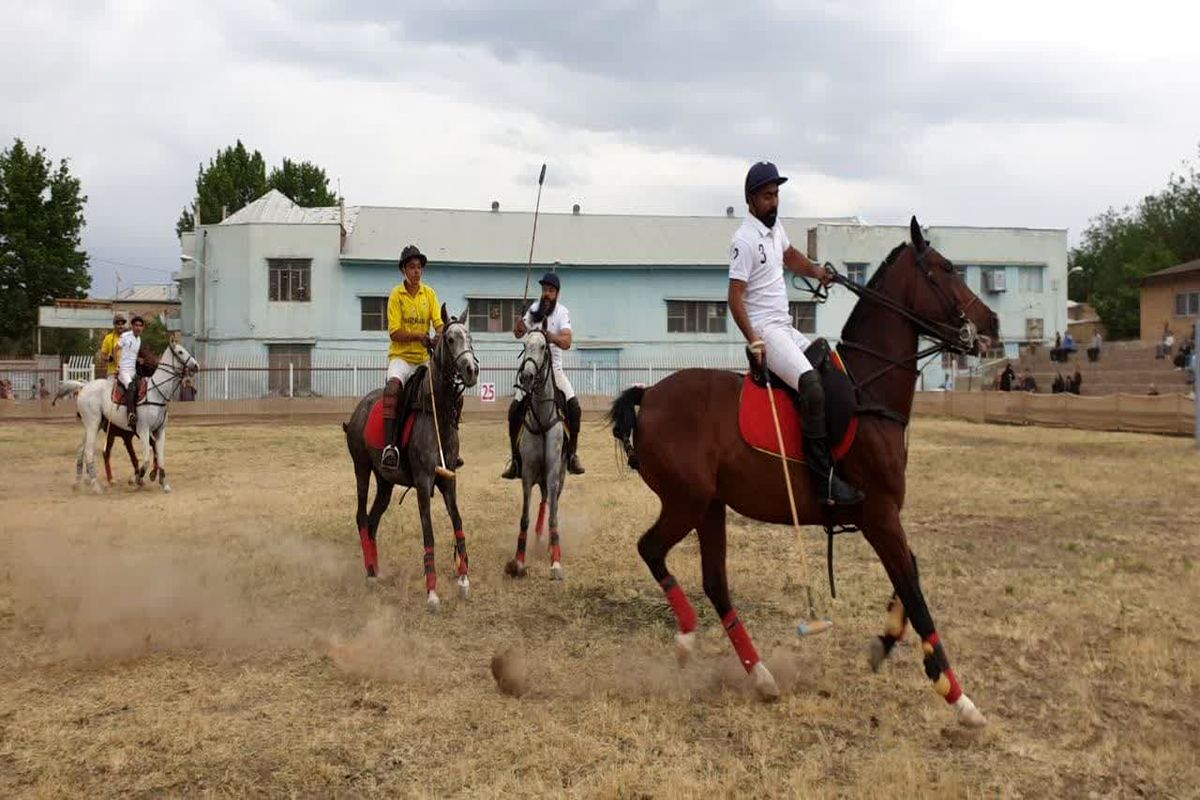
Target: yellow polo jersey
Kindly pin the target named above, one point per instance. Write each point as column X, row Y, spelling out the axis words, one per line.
column 111, row 347
column 412, row 314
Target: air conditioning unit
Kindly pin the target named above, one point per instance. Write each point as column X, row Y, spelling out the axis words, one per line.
column 993, row 280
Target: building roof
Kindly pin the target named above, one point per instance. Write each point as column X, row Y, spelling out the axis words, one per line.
column 1186, row 268
column 150, row 293
column 275, row 207
column 502, row 237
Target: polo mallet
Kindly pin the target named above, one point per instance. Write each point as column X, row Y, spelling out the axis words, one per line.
column 440, row 470
column 537, row 206
column 813, row 624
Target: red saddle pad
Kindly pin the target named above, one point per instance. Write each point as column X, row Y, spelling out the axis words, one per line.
column 374, row 430
column 758, row 429
column 118, row 392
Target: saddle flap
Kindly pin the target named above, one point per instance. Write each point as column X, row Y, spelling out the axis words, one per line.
column 118, row 392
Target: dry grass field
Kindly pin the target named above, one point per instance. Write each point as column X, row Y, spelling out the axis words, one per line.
column 221, row 640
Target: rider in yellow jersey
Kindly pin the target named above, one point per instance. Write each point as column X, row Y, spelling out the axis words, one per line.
column 110, row 348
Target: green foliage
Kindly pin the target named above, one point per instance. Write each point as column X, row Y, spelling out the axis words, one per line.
column 236, row 177
column 1120, row 247
column 68, row 341
column 41, row 217
column 155, row 336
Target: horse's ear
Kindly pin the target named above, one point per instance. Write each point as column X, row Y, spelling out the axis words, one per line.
column 445, row 315
column 918, row 238
column 466, row 313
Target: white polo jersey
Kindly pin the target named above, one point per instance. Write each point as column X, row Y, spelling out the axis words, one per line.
column 756, row 258
column 130, row 343
column 558, row 321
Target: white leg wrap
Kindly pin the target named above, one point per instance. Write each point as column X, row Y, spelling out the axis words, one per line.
column 968, row 715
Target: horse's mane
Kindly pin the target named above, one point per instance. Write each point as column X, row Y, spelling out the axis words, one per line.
column 876, row 279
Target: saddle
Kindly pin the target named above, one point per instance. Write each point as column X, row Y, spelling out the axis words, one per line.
column 118, row 391
column 410, row 402
column 754, row 408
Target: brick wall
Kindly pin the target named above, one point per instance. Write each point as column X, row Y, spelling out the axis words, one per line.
column 1158, row 306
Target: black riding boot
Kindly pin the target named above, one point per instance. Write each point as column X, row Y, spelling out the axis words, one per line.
column 831, row 489
column 515, row 411
column 391, row 399
column 574, row 418
column 131, row 392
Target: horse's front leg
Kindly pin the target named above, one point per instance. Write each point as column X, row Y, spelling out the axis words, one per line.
column 424, row 489
column 886, row 536
column 143, row 433
column 160, row 459
column 108, row 445
column 516, row 568
column 555, row 471
column 447, row 487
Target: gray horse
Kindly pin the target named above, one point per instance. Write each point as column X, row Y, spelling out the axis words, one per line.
column 453, row 366
column 542, row 461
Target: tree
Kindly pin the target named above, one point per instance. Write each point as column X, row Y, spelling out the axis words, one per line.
column 1120, row 247
column 305, row 183
column 236, row 177
column 41, row 217
column 155, row 336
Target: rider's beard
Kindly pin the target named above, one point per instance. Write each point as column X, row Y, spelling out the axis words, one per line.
column 768, row 218
column 545, row 309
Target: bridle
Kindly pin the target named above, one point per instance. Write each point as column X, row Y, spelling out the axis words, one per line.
column 177, row 372
column 947, row 337
column 448, row 367
column 541, row 372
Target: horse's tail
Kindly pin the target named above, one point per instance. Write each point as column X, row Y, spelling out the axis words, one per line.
column 623, row 416
column 66, row 388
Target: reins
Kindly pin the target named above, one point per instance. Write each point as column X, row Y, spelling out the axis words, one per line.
column 543, row 374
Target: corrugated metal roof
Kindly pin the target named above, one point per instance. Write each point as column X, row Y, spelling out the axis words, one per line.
column 275, row 207
column 491, row 237
column 150, row 293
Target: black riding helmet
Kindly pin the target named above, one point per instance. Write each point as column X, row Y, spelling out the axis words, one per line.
column 411, row 252
column 760, row 175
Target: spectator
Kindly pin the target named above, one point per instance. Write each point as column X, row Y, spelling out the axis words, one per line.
column 1056, row 352
column 43, row 392
column 1167, row 344
column 1068, row 346
column 1007, row 377
column 948, row 383
column 1076, row 382
column 1059, row 385
column 1153, row 390
column 187, row 392
column 1093, row 352
column 1028, row 382
column 5, row 390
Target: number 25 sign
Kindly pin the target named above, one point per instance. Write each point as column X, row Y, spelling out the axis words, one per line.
column 487, row 392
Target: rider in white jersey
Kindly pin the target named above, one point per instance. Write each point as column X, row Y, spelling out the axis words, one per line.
column 130, row 343
column 758, row 302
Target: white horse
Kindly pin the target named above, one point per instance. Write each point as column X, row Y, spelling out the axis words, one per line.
column 94, row 402
column 542, row 461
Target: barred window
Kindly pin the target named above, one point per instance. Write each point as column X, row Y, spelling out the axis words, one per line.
column 493, row 314
column 856, row 272
column 695, row 316
column 804, row 315
column 1187, row 304
column 374, row 313
column 289, row 279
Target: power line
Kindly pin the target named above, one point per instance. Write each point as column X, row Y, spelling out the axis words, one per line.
column 129, row 265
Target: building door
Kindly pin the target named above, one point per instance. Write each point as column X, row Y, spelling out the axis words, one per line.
column 598, row 373
column 290, row 369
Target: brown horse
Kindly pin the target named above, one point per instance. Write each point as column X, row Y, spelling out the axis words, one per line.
column 125, row 436
column 686, row 445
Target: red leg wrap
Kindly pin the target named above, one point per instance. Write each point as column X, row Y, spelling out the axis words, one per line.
column 741, row 639
column 685, row 615
column 937, row 668
column 555, row 550
column 460, row 552
column 521, row 538
column 370, row 559
column 540, row 528
column 430, row 572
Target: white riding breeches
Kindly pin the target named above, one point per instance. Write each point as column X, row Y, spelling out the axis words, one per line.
column 785, row 352
column 560, row 380
column 399, row 368
column 125, row 376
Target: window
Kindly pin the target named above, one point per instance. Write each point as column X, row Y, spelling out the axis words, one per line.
column 493, row 315
column 1034, row 329
column 695, row 316
column 856, row 272
column 289, row 279
column 374, row 313
column 994, row 279
column 1031, row 279
column 1187, row 304
column 290, row 367
column 804, row 316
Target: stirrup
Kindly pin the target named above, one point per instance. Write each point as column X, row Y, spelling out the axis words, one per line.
column 512, row 472
column 840, row 493
column 390, row 457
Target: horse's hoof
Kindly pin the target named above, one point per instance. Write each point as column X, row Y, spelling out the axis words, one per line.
column 764, row 683
column 432, row 603
column 968, row 715
column 97, row 488
column 166, row 487
column 464, row 586
column 153, row 475
column 876, row 654
column 556, row 572
column 684, row 644
column 515, row 569
column 132, row 480
column 372, row 582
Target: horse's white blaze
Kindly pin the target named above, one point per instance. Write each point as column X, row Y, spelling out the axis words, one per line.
column 764, row 682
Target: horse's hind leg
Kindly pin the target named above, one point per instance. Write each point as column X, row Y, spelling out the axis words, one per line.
column 362, row 476
column 716, row 586
column 160, row 458
column 675, row 521
column 157, row 471
column 887, row 537
column 133, row 459
column 884, row 645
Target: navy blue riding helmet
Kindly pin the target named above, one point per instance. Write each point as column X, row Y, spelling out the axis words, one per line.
column 760, row 175
column 551, row 279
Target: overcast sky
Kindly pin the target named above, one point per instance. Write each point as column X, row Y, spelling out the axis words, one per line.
column 1018, row 113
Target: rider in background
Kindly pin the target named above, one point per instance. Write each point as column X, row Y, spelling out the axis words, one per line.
column 130, row 343
column 110, row 348
column 553, row 317
column 412, row 309
column 758, row 302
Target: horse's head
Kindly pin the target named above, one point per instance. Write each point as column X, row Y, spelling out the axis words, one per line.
column 456, row 338
column 937, row 293
column 535, row 360
column 181, row 358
